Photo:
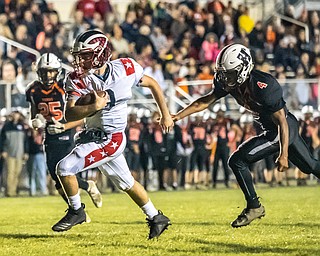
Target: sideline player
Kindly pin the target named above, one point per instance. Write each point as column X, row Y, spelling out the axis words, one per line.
column 103, row 141
column 47, row 101
column 261, row 94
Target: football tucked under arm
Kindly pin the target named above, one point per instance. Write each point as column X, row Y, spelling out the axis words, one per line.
column 89, row 98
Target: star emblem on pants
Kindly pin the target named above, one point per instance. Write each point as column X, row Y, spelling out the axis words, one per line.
column 103, row 153
column 91, row 158
column 114, row 145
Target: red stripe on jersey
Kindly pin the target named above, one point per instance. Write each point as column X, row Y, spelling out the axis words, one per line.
column 106, row 151
column 128, row 66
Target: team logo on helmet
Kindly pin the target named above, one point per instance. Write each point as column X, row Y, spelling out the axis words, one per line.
column 233, row 65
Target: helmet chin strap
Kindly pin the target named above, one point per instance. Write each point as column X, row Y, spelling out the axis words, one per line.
column 47, row 86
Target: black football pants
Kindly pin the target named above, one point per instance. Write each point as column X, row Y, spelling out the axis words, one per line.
column 265, row 144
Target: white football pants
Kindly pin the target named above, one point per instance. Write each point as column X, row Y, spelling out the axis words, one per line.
column 107, row 156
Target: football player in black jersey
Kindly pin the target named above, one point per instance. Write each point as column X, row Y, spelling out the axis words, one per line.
column 47, row 101
column 261, row 94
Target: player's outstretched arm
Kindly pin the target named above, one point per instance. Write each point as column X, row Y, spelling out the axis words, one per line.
column 196, row 106
column 76, row 113
column 166, row 120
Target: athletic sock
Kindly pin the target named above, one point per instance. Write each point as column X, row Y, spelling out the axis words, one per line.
column 253, row 203
column 75, row 202
column 149, row 210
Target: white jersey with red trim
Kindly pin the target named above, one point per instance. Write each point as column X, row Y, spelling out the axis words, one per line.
column 120, row 76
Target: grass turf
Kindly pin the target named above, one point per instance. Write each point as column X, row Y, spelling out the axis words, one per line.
column 200, row 225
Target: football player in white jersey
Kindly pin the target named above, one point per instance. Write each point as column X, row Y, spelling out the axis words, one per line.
column 103, row 141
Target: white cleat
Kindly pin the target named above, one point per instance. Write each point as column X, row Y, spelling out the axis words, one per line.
column 95, row 194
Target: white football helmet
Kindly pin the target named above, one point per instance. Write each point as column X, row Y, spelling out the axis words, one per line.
column 233, row 65
column 45, row 67
column 307, row 110
column 91, row 50
column 219, row 107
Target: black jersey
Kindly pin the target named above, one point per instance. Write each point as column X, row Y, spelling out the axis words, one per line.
column 261, row 94
column 49, row 103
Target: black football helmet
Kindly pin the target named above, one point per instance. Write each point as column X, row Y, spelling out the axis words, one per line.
column 48, row 68
column 91, row 50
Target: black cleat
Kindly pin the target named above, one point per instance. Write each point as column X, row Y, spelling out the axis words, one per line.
column 158, row 224
column 72, row 218
column 248, row 215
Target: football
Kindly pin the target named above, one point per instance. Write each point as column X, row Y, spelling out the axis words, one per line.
column 89, row 98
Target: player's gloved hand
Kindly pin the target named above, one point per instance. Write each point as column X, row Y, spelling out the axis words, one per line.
column 56, row 127
column 38, row 122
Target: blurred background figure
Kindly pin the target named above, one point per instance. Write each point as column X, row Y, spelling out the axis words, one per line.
column 37, row 163
column 220, row 129
column 14, row 150
column 132, row 151
column 197, row 173
column 157, row 148
column 184, row 150
column 309, row 132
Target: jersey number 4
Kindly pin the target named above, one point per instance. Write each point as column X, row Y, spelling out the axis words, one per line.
column 51, row 109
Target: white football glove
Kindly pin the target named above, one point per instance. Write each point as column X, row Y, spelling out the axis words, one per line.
column 56, row 127
column 38, row 122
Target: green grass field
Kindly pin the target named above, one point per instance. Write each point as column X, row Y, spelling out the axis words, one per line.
column 200, row 225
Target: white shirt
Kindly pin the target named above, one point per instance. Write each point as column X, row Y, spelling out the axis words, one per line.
column 119, row 78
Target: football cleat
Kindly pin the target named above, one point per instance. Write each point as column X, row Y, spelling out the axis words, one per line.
column 158, row 224
column 95, row 194
column 72, row 218
column 248, row 215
